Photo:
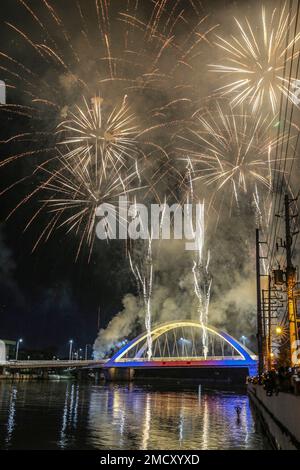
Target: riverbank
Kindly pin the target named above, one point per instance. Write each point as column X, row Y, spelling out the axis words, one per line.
column 280, row 416
column 18, row 377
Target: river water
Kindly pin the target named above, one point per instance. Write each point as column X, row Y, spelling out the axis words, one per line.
column 72, row 415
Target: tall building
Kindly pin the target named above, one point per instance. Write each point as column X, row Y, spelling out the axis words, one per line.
column 7, row 350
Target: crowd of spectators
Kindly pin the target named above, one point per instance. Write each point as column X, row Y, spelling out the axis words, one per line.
column 283, row 379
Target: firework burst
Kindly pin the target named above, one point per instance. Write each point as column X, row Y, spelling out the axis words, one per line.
column 72, row 193
column 260, row 62
column 111, row 136
column 235, row 151
column 124, row 50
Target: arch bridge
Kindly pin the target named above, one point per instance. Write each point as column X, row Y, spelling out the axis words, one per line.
column 179, row 344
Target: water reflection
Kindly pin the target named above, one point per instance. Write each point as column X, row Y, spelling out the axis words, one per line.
column 11, row 415
column 70, row 415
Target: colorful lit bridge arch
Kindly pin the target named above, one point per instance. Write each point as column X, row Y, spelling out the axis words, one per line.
column 179, row 345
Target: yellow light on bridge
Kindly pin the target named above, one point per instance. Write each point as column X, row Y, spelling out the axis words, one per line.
column 278, row 330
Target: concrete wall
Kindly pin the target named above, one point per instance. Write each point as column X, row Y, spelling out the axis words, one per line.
column 115, row 374
column 280, row 415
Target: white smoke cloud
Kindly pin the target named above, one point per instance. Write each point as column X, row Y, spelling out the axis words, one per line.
column 233, row 300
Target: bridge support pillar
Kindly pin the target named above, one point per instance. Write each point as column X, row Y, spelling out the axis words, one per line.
column 44, row 374
column 115, row 374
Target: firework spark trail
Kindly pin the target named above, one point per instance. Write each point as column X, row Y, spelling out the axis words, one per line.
column 144, row 278
column 158, row 31
column 202, row 280
column 259, row 61
column 200, row 269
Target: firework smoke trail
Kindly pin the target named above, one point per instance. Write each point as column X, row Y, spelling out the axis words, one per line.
column 230, row 148
column 144, row 277
column 259, row 61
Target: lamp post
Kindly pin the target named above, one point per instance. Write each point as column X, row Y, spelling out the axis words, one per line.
column 18, row 346
column 86, row 351
column 70, row 350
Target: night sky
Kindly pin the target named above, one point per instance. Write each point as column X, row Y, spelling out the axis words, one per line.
column 45, row 296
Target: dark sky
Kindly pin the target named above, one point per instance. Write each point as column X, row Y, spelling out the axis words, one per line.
column 46, row 297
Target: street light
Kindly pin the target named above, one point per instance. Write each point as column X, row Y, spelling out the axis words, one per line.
column 86, row 351
column 17, row 348
column 278, row 330
column 70, row 350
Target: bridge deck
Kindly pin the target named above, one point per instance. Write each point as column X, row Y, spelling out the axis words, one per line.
column 179, row 362
column 52, row 364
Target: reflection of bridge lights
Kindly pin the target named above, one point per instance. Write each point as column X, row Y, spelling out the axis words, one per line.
column 166, row 419
column 70, row 414
column 11, row 415
column 147, row 423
